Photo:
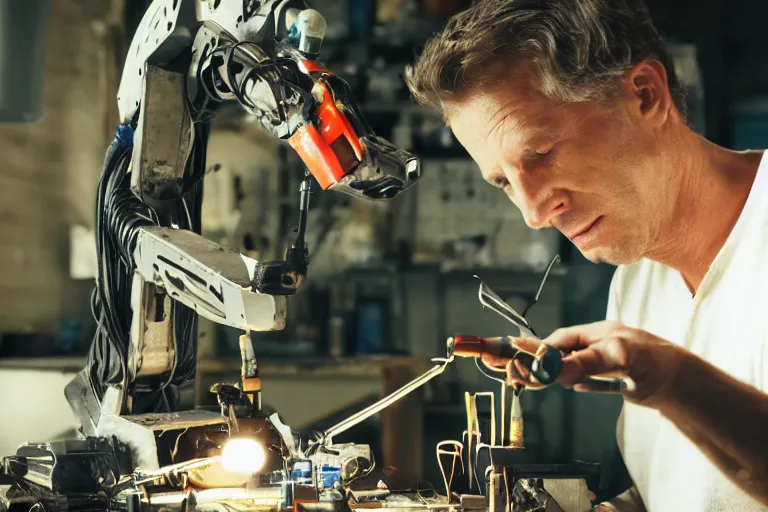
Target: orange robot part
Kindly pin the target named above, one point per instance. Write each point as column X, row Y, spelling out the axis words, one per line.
column 331, row 149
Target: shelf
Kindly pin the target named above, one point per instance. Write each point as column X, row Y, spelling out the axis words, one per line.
column 59, row 364
column 325, row 367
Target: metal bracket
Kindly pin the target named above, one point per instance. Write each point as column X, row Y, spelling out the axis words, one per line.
column 166, row 27
column 163, row 138
column 153, row 347
column 215, row 282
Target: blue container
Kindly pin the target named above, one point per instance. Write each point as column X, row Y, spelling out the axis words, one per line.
column 327, row 475
column 301, row 472
column 372, row 333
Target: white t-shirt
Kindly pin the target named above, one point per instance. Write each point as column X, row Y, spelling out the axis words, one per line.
column 726, row 323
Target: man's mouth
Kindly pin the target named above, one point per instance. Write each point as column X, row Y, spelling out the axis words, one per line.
column 581, row 235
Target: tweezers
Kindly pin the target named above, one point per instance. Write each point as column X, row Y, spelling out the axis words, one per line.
column 492, row 301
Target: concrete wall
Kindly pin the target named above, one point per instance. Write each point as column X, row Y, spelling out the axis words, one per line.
column 49, row 170
column 34, row 401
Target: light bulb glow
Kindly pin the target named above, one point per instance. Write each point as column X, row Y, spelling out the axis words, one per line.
column 242, row 455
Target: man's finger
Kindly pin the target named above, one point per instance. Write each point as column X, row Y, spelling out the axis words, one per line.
column 606, row 386
column 578, row 337
column 499, row 366
column 607, row 357
column 494, row 361
column 530, row 345
column 518, row 375
column 522, row 371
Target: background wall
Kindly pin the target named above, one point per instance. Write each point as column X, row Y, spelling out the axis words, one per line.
column 49, row 170
column 35, row 400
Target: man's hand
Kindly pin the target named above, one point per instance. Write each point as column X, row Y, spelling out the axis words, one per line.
column 517, row 375
column 724, row 417
column 647, row 364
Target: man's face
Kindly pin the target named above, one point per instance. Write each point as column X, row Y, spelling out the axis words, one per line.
column 589, row 169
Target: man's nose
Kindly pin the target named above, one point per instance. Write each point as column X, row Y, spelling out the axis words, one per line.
column 539, row 202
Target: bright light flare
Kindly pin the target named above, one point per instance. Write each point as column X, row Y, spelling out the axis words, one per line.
column 242, row 455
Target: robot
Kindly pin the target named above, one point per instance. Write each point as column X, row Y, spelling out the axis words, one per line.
column 136, row 450
column 186, row 61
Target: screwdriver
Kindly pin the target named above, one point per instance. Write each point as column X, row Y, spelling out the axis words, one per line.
column 544, row 364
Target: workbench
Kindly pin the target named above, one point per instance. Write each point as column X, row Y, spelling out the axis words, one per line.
column 304, row 393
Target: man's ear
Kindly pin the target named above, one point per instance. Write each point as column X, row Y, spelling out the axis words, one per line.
column 648, row 88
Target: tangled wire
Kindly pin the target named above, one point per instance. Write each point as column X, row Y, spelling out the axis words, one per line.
column 119, row 217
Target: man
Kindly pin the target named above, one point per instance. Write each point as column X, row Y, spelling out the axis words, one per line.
column 572, row 109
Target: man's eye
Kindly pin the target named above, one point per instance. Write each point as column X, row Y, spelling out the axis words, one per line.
column 546, row 152
column 500, row 182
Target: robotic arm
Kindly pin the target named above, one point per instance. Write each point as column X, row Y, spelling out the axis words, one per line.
column 263, row 56
column 156, row 273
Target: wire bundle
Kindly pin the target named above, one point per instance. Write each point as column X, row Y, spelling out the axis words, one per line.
column 119, row 215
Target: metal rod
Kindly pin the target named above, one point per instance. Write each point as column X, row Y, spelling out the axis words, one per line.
column 546, row 275
column 541, row 286
column 305, row 195
column 503, row 414
column 143, row 477
column 388, row 400
column 249, row 366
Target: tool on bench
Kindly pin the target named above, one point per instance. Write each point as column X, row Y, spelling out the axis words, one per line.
column 532, row 369
column 535, row 365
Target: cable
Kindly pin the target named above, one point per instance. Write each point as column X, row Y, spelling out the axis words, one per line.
column 118, row 214
column 119, row 217
column 268, row 71
column 354, row 477
column 426, row 499
column 486, row 371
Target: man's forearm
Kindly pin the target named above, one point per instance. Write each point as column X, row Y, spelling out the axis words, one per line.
column 726, row 419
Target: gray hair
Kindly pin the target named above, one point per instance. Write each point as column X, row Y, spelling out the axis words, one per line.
column 580, row 49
